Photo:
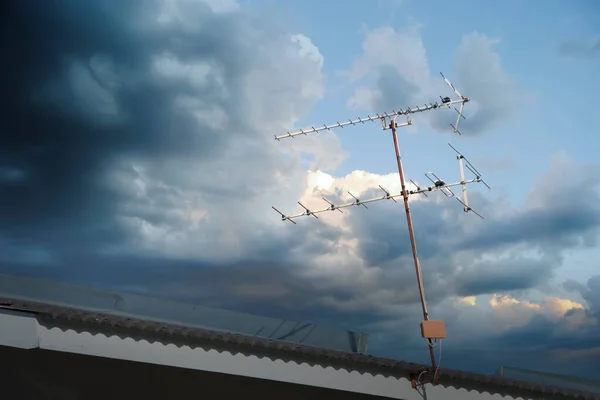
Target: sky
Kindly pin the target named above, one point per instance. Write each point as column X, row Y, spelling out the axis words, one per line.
column 137, row 154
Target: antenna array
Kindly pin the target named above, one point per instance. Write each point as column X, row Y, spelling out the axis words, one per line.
column 446, row 102
column 438, row 185
column 430, row 329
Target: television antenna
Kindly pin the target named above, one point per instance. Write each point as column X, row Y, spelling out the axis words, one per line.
column 446, row 102
column 430, row 329
column 438, row 185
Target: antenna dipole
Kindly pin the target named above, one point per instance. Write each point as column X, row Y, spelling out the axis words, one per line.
column 433, row 329
column 470, row 167
column 462, row 104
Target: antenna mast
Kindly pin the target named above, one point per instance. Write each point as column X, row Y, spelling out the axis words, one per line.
column 413, row 242
column 430, row 329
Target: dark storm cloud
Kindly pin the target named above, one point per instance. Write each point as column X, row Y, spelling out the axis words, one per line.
column 59, row 201
column 565, row 345
column 257, row 287
column 83, row 102
column 83, row 98
column 548, row 229
column 551, row 335
column 380, row 245
column 502, row 276
column 590, row 293
column 552, row 227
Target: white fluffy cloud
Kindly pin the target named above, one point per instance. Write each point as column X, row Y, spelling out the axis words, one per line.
column 506, row 312
column 396, row 69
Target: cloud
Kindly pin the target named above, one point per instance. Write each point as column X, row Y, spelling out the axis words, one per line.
column 401, row 69
column 480, row 75
column 572, row 217
column 143, row 159
column 128, row 129
column 553, row 335
column 351, row 263
column 590, row 293
column 505, row 274
column 562, row 330
column 580, row 48
column 147, row 149
column 394, row 73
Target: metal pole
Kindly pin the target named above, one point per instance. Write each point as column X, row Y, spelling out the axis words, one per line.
column 464, row 186
column 413, row 243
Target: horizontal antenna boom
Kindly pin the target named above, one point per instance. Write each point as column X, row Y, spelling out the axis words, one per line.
column 358, row 202
column 369, row 118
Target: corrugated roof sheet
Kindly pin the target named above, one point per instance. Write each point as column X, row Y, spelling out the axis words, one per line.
column 81, row 320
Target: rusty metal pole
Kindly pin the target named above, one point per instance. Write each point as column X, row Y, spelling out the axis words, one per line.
column 413, row 243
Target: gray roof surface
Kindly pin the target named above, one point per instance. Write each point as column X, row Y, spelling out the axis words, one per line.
column 82, row 320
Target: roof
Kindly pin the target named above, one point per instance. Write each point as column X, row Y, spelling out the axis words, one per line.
column 546, row 378
column 85, row 321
